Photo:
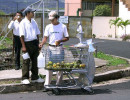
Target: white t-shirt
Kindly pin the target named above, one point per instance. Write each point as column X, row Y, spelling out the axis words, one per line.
column 29, row 29
column 56, row 32
column 15, row 26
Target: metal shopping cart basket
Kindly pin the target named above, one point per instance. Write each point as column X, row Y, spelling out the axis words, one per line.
column 69, row 60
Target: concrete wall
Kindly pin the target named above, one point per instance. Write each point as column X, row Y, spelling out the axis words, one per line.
column 125, row 15
column 71, row 26
column 101, row 27
column 86, row 25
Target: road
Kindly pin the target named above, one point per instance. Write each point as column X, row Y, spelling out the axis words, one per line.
column 119, row 91
column 113, row 47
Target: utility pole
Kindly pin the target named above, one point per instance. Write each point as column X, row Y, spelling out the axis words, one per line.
column 58, row 6
column 17, row 5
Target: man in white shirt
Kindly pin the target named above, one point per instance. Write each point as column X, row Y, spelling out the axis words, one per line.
column 29, row 32
column 14, row 24
column 57, row 33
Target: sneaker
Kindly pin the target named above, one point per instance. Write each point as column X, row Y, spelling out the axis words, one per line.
column 25, row 81
column 89, row 90
column 39, row 80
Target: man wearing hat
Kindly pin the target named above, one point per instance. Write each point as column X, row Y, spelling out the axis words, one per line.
column 57, row 34
column 29, row 32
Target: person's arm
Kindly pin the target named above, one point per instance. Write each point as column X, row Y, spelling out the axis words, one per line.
column 63, row 40
column 11, row 24
column 23, row 44
column 43, row 42
column 22, row 36
column 66, row 36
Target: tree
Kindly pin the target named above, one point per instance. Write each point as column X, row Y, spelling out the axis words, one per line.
column 123, row 24
column 2, row 13
column 115, row 23
column 102, row 10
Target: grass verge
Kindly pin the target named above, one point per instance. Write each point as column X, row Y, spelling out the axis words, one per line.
column 112, row 61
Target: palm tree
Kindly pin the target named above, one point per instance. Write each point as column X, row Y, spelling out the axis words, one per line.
column 114, row 22
column 123, row 24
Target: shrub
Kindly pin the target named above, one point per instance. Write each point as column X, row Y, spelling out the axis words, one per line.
column 93, row 35
column 102, row 10
column 125, row 37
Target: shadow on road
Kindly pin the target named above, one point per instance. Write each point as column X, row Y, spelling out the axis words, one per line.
column 80, row 92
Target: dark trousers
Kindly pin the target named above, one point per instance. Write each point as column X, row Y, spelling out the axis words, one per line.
column 33, row 50
column 17, row 46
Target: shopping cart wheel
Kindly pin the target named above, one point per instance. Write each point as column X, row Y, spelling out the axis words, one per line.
column 56, row 91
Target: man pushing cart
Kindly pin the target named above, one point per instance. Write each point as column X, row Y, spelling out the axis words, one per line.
column 66, row 61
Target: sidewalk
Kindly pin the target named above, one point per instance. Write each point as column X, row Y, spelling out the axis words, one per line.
column 16, row 74
column 19, row 87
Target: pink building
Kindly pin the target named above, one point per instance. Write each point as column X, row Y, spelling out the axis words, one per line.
column 72, row 6
column 86, row 7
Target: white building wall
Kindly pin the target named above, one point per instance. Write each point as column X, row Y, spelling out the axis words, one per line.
column 101, row 27
column 125, row 15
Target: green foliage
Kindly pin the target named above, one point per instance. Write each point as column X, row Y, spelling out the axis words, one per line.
column 93, row 35
column 6, row 43
column 125, row 37
column 102, row 10
column 123, row 24
column 6, row 39
column 2, row 13
column 112, row 61
column 115, row 23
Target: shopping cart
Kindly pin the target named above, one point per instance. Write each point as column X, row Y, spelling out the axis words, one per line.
column 70, row 60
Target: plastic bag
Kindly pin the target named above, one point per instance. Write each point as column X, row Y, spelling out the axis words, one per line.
column 90, row 44
column 41, row 60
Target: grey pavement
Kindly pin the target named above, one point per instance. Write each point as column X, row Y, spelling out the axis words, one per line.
column 116, row 91
column 112, row 47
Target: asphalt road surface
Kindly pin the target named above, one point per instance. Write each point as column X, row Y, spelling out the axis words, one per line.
column 120, row 91
column 113, row 47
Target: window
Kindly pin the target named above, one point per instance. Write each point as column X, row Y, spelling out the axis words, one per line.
column 86, row 5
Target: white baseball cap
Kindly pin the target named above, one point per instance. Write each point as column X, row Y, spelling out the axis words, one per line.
column 53, row 15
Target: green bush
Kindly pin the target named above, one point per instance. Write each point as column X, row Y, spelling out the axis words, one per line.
column 102, row 10
column 125, row 37
column 2, row 13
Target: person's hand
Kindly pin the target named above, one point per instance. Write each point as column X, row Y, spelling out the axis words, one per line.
column 57, row 42
column 24, row 49
column 15, row 18
column 40, row 45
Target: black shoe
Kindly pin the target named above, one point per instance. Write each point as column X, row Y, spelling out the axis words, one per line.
column 45, row 90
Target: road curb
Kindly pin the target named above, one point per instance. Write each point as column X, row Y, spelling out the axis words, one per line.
column 115, row 74
column 110, row 75
column 12, row 88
